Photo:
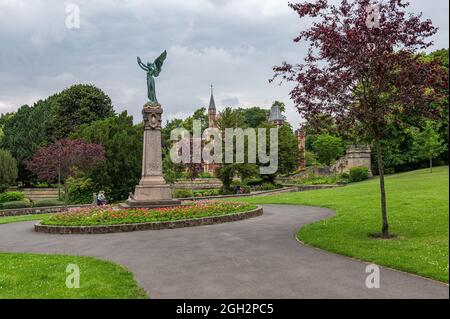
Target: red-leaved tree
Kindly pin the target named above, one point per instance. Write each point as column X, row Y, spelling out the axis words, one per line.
column 64, row 159
column 363, row 69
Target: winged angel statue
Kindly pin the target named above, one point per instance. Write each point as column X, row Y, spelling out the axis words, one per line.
column 153, row 70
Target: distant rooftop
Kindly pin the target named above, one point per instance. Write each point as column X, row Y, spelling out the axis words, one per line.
column 212, row 104
column 275, row 114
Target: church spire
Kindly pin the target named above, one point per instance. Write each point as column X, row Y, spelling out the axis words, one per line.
column 212, row 104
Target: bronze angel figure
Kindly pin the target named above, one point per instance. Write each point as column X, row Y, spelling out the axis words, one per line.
column 153, row 70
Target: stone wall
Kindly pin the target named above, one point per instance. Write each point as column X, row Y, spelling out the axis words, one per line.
column 355, row 155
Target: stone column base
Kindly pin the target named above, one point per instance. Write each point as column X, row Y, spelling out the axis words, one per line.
column 151, row 196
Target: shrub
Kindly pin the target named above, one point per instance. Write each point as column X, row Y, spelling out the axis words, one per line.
column 344, row 176
column 11, row 197
column 254, row 181
column 182, row 193
column 80, row 190
column 205, row 175
column 8, row 169
column 16, row 204
column 268, row 187
column 48, row 203
column 358, row 174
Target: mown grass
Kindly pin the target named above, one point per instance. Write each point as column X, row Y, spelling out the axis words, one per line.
column 39, row 276
column 23, row 218
column 418, row 212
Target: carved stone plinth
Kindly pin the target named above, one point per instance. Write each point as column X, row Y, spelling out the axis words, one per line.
column 152, row 191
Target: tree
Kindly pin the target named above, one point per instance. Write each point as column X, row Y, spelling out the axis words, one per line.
column 364, row 70
column 123, row 151
column 80, row 104
column 328, row 148
column 428, row 143
column 26, row 131
column 253, row 116
column 8, row 169
column 65, row 158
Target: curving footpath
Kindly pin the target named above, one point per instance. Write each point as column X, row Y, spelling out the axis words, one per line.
column 253, row 258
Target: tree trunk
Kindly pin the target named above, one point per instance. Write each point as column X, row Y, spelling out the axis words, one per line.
column 59, row 181
column 431, row 164
column 385, row 227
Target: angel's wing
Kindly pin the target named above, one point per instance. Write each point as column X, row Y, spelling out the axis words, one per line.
column 159, row 62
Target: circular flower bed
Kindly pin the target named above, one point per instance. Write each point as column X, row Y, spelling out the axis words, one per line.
column 98, row 216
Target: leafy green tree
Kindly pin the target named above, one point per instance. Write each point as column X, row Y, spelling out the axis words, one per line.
column 81, row 104
column 328, row 148
column 122, row 140
column 8, row 169
column 428, row 144
column 253, row 116
column 199, row 115
column 288, row 153
column 26, row 131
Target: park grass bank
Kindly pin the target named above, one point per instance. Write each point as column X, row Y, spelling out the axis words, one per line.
column 418, row 212
column 41, row 276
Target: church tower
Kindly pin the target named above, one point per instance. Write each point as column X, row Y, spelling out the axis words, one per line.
column 212, row 110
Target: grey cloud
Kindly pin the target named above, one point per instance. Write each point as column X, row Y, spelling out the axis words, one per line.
column 230, row 43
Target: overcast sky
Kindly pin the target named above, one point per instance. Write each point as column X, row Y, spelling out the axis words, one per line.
column 232, row 44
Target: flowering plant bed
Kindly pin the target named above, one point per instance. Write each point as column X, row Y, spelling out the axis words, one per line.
column 97, row 216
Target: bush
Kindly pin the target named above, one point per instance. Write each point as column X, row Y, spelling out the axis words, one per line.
column 182, row 193
column 48, row 203
column 16, row 204
column 344, row 176
column 11, row 197
column 80, row 190
column 268, row 187
column 205, row 175
column 8, row 169
column 254, row 181
column 358, row 174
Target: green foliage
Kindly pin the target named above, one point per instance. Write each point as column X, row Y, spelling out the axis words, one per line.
column 322, row 180
column 123, row 151
column 11, row 196
column 310, row 159
column 182, row 193
column 253, row 117
column 51, row 119
column 328, row 148
column 16, row 204
column 268, row 187
column 79, row 105
column 288, row 153
column 358, row 174
column 205, row 175
column 8, row 169
column 48, row 203
column 80, row 190
column 427, row 143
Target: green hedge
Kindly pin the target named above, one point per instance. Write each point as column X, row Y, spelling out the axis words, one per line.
column 11, row 197
column 358, row 174
column 48, row 203
column 15, row 205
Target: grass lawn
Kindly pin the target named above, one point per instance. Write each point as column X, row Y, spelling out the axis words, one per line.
column 44, row 276
column 418, row 213
column 23, row 218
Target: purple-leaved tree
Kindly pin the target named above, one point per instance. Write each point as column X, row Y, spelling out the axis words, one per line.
column 363, row 69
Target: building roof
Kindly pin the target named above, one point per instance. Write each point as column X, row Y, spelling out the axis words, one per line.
column 212, row 104
column 275, row 114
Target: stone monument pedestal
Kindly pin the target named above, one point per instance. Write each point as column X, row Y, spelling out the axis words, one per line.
column 152, row 191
